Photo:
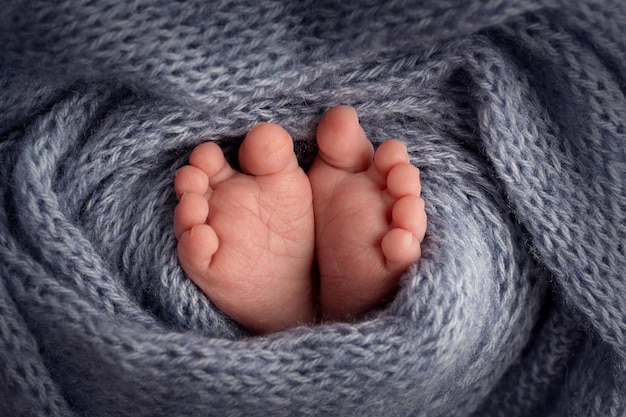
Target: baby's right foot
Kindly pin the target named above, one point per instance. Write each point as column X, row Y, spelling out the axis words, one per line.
column 369, row 217
column 246, row 239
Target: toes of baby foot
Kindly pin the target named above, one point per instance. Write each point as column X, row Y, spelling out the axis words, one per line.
column 267, row 149
column 408, row 213
column 390, row 153
column 403, row 179
column 192, row 210
column 401, row 248
column 209, row 158
column 195, row 249
column 190, row 179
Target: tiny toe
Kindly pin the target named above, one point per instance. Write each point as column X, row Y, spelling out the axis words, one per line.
column 389, row 154
column 210, row 159
column 192, row 210
column 403, row 179
column 408, row 213
column 342, row 141
column 400, row 248
column 195, row 249
column 267, row 149
column 190, row 179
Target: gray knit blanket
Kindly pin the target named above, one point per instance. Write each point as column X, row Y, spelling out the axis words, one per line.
column 514, row 111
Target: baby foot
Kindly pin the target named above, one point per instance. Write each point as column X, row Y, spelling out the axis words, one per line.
column 247, row 239
column 369, row 216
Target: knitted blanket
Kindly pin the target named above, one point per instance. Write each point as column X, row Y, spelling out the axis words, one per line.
column 514, row 110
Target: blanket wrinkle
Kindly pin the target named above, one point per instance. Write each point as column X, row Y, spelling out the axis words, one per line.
column 513, row 110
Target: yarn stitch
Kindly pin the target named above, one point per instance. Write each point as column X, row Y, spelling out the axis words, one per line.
column 514, row 111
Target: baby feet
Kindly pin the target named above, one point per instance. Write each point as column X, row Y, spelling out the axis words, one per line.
column 248, row 239
column 369, row 216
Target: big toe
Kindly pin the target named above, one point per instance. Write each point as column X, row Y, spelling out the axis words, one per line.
column 342, row 141
column 267, row 149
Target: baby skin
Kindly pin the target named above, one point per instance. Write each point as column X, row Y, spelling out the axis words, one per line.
column 251, row 240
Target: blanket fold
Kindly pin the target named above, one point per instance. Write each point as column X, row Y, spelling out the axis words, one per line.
column 514, row 111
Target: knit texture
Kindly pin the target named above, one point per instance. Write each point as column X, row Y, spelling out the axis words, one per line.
column 514, row 111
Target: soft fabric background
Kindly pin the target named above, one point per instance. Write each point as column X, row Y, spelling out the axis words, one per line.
column 513, row 110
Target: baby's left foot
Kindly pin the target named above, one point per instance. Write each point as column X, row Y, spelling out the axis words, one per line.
column 369, row 217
